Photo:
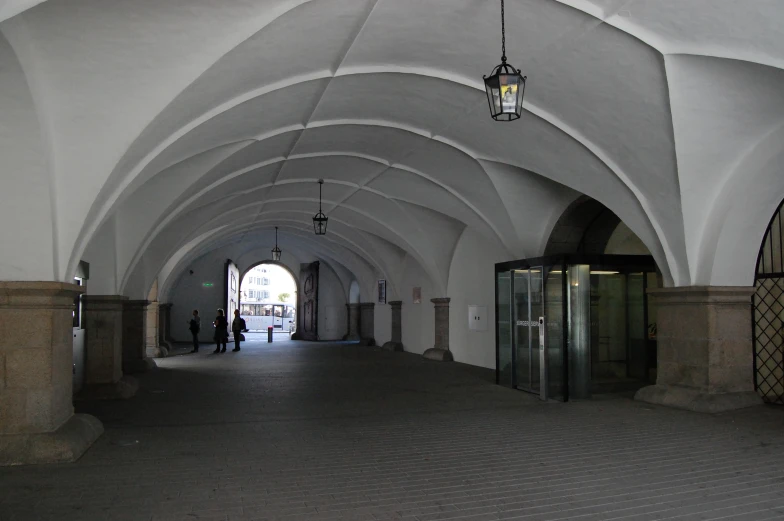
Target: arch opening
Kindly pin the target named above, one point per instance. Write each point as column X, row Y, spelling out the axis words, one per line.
column 589, row 292
column 268, row 298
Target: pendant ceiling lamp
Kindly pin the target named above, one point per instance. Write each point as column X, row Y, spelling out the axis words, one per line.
column 276, row 251
column 505, row 86
column 320, row 220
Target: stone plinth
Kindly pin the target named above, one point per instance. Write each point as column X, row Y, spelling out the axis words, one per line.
column 705, row 355
column 354, row 312
column 103, row 318
column 367, row 321
column 440, row 351
column 396, row 344
column 37, row 423
column 152, row 347
column 134, row 338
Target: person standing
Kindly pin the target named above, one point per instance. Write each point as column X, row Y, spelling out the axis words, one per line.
column 195, row 327
column 237, row 327
column 221, row 332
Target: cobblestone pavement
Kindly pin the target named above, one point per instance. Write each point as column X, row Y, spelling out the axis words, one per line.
column 338, row 432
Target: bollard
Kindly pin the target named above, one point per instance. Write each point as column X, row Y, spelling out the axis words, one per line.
column 269, row 334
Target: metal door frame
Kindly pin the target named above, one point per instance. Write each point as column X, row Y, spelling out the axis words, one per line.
column 773, row 272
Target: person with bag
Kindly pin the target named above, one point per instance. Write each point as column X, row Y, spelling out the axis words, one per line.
column 221, row 332
column 237, row 327
column 195, row 327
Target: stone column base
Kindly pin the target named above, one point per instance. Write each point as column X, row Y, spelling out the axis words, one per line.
column 694, row 400
column 393, row 346
column 369, row 342
column 123, row 389
column 66, row 444
column 439, row 355
column 158, row 351
column 139, row 366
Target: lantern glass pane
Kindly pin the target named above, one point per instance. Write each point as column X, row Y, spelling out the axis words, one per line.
column 493, row 95
column 520, row 94
column 509, row 92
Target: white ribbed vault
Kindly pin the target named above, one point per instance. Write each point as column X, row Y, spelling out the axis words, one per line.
column 143, row 134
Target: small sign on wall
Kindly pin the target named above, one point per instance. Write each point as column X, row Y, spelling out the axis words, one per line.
column 477, row 318
column 417, row 295
column 382, row 292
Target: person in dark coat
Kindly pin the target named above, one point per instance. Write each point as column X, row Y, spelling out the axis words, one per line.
column 237, row 327
column 221, row 332
column 195, row 327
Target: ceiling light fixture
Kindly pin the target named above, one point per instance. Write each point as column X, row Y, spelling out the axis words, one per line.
column 320, row 220
column 506, row 85
column 276, row 251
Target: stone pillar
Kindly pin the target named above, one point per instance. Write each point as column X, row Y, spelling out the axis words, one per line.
column 705, row 354
column 37, row 423
column 134, row 338
column 440, row 351
column 104, row 380
column 164, row 331
column 396, row 344
column 153, row 349
column 367, row 322
column 354, row 311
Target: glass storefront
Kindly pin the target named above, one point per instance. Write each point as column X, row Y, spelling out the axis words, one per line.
column 568, row 327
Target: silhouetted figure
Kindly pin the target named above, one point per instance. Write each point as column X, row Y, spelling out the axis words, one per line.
column 195, row 327
column 221, row 332
column 237, row 327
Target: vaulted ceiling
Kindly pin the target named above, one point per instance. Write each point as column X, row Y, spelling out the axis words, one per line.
column 161, row 129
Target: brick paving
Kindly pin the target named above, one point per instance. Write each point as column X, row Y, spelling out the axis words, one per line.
column 290, row 431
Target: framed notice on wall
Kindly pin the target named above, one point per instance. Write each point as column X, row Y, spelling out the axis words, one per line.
column 417, row 295
column 382, row 292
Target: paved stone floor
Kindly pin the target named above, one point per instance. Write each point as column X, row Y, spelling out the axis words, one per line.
column 338, row 432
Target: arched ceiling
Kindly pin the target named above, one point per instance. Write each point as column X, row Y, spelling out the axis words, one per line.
column 188, row 123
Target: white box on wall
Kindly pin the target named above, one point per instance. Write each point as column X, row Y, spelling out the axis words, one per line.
column 477, row 318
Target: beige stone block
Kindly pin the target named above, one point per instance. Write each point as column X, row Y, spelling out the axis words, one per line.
column 62, row 366
column 692, row 351
column 12, row 411
column 730, row 379
column 29, row 369
column 727, row 323
column 38, row 411
column 2, row 371
column 25, row 328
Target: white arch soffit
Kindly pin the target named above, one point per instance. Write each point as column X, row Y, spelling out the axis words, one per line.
column 262, row 218
column 663, row 45
column 737, row 190
column 210, row 241
column 11, row 8
column 183, row 257
column 294, row 229
column 224, row 236
column 360, row 269
column 172, row 213
column 93, row 223
column 411, row 248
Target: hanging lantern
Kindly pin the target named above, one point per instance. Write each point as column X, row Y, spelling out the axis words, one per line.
column 320, row 220
column 505, row 86
column 276, row 251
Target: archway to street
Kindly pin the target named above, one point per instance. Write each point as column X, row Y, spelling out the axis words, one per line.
column 268, row 298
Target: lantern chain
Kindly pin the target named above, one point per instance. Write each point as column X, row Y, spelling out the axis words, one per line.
column 503, row 34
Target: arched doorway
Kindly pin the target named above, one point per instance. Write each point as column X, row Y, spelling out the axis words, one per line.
column 768, row 320
column 578, row 321
column 268, row 297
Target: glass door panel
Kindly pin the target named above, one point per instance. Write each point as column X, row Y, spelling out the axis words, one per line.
column 535, row 310
column 504, row 331
column 554, row 312
column 522, row 336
